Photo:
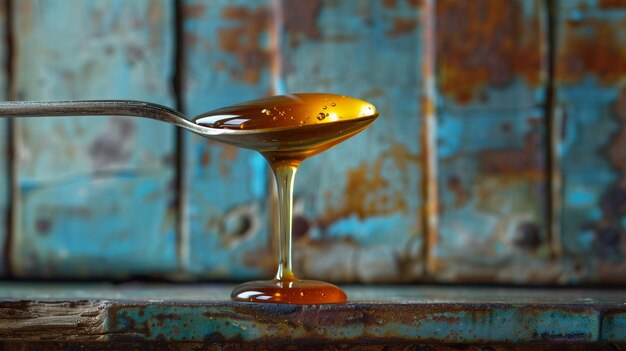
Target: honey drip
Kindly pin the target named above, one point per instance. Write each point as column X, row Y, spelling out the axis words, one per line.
column 286, row 130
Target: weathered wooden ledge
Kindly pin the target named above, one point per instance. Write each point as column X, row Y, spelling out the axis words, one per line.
column 102, row 313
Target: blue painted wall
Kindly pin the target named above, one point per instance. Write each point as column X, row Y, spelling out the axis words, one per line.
column 95, row 196
column 498, row 155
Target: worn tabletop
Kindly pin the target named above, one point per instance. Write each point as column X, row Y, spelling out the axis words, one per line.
column 91, row 313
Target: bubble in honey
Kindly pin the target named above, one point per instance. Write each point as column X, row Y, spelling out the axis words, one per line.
column 321, row 116
column 324, row 107
column 333, row 104
column 266, row 112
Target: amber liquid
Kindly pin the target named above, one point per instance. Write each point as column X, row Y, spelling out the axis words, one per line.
column 286, row 130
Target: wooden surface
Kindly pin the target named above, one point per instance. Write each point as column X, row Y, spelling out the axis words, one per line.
column 491, row 132
column 357, row 206
column 228, row 59
column 388, row 315
column 95, row 196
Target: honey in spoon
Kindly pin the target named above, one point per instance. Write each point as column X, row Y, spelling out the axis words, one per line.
column 287, row 129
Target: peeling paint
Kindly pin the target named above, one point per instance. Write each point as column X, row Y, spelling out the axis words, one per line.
column 491, row 143
column 367, row 191
column 590, row 90
column 498, row 44
column 243, row 40
column 582, row 53
column 300, row 18
column 93, row 195
column 229, row 62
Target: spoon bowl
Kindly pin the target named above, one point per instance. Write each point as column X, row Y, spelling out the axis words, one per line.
column 295, row 126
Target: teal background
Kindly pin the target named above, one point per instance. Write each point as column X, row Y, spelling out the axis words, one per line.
column 499, row 156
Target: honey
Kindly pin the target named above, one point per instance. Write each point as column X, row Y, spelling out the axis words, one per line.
column 287, row 129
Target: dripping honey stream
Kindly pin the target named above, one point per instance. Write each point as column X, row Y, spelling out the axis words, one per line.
column 289, row 129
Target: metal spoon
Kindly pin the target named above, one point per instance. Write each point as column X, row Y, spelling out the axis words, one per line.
column 258, row 139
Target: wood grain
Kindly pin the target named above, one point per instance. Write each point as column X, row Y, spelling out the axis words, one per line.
column 357, row 207
column 95, row 196
column 491, row 149
column 228, row 60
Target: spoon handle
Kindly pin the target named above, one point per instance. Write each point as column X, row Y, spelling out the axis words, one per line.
column 97, row 107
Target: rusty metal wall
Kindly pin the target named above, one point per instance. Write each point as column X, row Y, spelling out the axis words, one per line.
column 497, row 157
column 491, row 141
column 93, row 196
column 590, row 113
column 227, row 50
column 357, row 206
column 4, row 144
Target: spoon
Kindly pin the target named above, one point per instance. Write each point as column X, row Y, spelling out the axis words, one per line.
column 285, row 129
column 221, row 124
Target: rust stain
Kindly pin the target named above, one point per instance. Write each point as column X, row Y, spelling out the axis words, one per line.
column 300, row 18
column 616, row 151
column 244, row 41
column 428, row 108
column 592, row 47
column 609, row 235
column 415, row 3
column 527, row 162
column 191, row 40
column 25, row 9
column 392, row 4
column 487, row 43
column 205, row 158
column 612, row 4
column 368, row 193
column 455, row 185
column 402, row 26
column 192, row 11
column 389, row 4
column 155, row 22
column 229, row 153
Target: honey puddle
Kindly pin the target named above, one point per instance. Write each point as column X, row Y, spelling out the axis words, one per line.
column 287, row 129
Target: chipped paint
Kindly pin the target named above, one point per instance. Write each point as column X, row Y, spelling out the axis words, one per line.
column 229, row 62
column 368, row 193
column 491, row 143
column 592, row 98
column 499, row 44
column 360, row 196
column 461, row 144
column 345, row 323
column 4, row 152
column 300, row 18
column 93, row 195
column 582, row 54
column 243, row 40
